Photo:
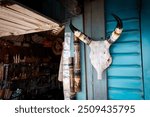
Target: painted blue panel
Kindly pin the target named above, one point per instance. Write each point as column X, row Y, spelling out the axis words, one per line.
column 125, row 73
column 131, row 13
column 130, row 59
column 130, row 47
column 145, row 28
column 131, row 83
column 127, row 25
column 125, row 94
column 116, row 5
column 129, row 36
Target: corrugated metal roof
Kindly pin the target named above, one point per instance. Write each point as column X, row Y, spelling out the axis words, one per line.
column 16, row 19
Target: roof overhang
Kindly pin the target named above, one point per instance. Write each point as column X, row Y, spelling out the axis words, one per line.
column 16, row 19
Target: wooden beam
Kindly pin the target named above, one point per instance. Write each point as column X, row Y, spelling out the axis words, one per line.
column 87, row 30
column 94, row 28
column 98, row 33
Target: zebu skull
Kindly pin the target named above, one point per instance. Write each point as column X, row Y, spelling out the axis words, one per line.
column 99, row 55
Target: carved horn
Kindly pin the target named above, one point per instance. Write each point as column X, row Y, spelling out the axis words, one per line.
column 118, row 30
column 80, row 35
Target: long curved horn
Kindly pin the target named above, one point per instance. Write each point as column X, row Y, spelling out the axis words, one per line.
column 118, row 30
column 80, row 34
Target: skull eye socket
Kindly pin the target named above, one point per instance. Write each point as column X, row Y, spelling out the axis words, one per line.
column 108, row 60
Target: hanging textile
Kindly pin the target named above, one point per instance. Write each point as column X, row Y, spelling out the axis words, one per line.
column 69, row 69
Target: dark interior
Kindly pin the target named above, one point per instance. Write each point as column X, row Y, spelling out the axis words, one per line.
column 31, row 68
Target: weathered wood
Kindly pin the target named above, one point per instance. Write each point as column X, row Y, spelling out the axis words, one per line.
column 72, row 81
column 66, row 64
column 77, row 71
column 98, row 32
column 95, row 28
column 78, row 21
column 87, row 30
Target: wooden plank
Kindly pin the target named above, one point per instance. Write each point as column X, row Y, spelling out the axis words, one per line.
column 121, row 94
column 132, row 24
column 24, row 17
column 129, row 36
column 87, row 30
column 126, row 83
column 25, row 11
column 125, row 75
column 130, row 60
column 98, row 33
column 129, row 47
column 132, row 71
column 78, row 21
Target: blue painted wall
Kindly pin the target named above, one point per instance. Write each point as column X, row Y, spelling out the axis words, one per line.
column 125, row 76
column 145, row 33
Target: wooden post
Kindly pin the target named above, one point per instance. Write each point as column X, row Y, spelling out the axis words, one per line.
column 66, row 68
column 77, row 72
column 94, row 26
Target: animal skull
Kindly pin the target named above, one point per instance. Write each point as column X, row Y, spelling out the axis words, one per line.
column 99, row 55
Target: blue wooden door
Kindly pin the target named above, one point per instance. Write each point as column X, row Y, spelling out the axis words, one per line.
column 125, row 75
